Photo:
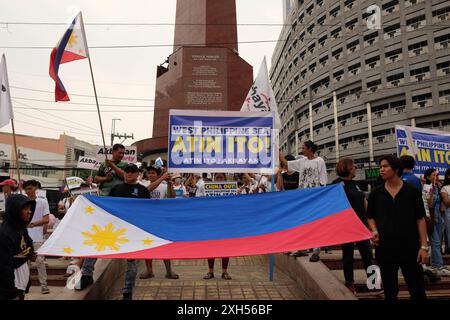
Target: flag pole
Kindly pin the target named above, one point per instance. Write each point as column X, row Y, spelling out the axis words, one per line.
column 15, row 152
column 93, row 84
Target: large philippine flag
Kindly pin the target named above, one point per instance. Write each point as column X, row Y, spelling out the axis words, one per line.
column 71, row 47
column 106, row 227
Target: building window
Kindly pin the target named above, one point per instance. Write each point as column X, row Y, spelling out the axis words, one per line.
column 418, row 48
column 336, row 32
column 301, row 18
column 350, row 25
column 354, row 69
column 319, row 3
column 349, row 4
column 441, row 15
column 335, row 11
column 353, row 46
column 323, row 40
column 374, row 85
column 337, row 54
column 442, row 42
column 420, row 74
column 372, row 63
column 338, row 75
column 311, row 48
column 370, row 39
column 390, row 7
column 312, row 67
column 302, row 55
column 395, row 80
column 323, row 61
column 393, row 56
column 309, row 10
column 321, row 20
column 311, row 29
column 409, row 3
column 415, row 23
column 392, row 31
column 444, row 96
column 443, row 69
column 422, row 101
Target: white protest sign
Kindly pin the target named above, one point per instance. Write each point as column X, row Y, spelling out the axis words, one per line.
column 88, row 163
column 74, row 182
column 130, row 154
column 220, row 189
column 93, row 191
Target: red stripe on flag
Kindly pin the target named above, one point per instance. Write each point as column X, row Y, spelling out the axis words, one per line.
column 343, row 227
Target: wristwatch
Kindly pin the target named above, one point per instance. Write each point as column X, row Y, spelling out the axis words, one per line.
column 425, row 248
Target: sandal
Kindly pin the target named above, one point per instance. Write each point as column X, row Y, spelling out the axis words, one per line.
column 172, row 276
column 226, row 276
column 146, row 275
column 209, row 275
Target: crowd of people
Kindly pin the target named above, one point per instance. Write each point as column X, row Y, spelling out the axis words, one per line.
column 404, row 214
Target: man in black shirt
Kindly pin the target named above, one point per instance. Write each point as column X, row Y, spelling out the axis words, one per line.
column 396, row 217
column 130, row 189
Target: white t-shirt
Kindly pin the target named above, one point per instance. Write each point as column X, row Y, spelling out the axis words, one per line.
column 160, row 192
column 312, row 173
column 180, row 191
column 42, row 209
column 145, row 183
column 446, row 190
column 200, row 192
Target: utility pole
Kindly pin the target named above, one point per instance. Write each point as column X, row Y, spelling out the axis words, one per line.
column 125, row 136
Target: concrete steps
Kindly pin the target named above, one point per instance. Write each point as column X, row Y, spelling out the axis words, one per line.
column 56, row 269
column 439, row 290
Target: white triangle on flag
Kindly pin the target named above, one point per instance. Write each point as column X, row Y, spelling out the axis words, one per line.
column 6, row 113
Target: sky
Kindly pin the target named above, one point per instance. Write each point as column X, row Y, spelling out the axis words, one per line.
column 128, row 74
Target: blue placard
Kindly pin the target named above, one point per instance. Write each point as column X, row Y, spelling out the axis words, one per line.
column 432, row 148
column 221, row 141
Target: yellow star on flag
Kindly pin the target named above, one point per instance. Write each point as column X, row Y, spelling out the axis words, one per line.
column 68, row 250
column 147, row 242
column 89, row 210
column 105, row 238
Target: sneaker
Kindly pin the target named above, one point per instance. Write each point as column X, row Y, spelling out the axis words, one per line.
column 208, row 276
column 85, row 282
column 226, row 276
column 314, row 258
column 431, row 274
column 127, row 296
column 44, row 290
column 300, row 253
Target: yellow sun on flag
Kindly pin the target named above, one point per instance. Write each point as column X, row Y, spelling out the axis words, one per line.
column 72, row 39
column 89, row 210
column 147, row 242
column 103, row 238
column 68, row 250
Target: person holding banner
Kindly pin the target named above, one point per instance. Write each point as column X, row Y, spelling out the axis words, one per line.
column 218, row 177
column 396, row 215
column 432, row 194
column 111, row 172
column 445, row 196
column 312, row 173
column 158, row 188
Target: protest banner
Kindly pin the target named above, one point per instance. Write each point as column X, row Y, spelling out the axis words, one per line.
column 430, row 148
column 220, row 189
column 93, row 191
column 74, row 182
column 130, row 154
column 221, row 141
column 88, row 163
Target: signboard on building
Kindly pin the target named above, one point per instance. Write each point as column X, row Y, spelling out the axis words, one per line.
column 430, row 148
column 220, row 189
column 221, row 141
column 372, row 174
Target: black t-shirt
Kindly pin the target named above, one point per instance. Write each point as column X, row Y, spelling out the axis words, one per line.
column 290, row 181
column 356, row 198
column 125, row 190
column 396, row 221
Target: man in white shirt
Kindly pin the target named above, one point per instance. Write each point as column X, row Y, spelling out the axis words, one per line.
column 312, row 173
column 200, row 192
column 36, row 229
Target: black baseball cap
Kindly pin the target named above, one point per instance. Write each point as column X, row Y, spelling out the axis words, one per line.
column 131, row 167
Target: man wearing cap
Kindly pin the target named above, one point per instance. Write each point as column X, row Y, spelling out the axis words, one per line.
column 8, row 186
column 130, row 189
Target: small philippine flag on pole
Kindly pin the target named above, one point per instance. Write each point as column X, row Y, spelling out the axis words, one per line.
column 71, row 47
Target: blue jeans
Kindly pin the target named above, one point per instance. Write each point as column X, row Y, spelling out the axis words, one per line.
column 130, row 276
column 88, row 266
column 436, row 238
